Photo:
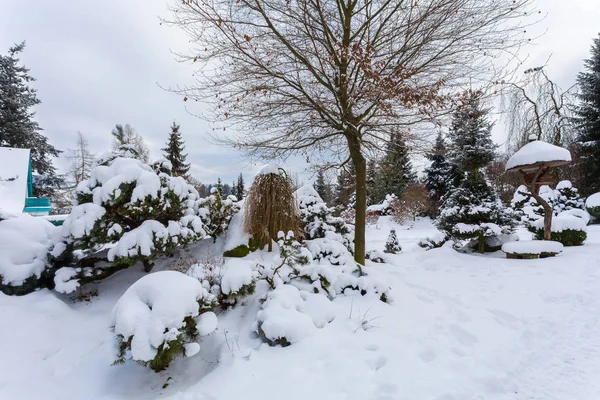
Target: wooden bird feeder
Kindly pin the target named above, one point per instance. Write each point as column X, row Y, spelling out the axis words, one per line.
column 534, row 161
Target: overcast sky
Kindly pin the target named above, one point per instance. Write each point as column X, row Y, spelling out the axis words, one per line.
column 99, row 63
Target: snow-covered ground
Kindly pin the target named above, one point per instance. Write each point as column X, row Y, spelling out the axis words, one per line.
column 460, row 327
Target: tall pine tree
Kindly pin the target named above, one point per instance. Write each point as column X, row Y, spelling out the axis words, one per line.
column 175, row 152
column 394, row 171
column 240, row 190
column 472, row 146
column 441, row 175
column 323, row 188
column 17, row 126
column 345, row 186
column 473, row 210
column 588, row 121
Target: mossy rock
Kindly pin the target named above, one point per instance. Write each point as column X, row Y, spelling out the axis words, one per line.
column 238, row 252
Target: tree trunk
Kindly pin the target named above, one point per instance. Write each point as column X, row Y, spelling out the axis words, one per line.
column 547, row 214
column 481, row 244
column 360, row 166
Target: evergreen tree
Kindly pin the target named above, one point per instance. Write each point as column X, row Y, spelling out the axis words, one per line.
column 17, row 127
column 175, row 152
column 473, row 211
column 441, row 175
column 395, row 169
column 392, row 245
column 567, row 197
column 588, row 121
column 219, row 185
column 127, row 136
column 323, row 188
column 345, row 187
column 372, row 182
column 472, row 146
column 240, row 190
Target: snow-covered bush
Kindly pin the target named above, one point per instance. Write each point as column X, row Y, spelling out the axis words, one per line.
column 216, row 212
column 288, row 315
column 526, row 207
column 323, row 233
column 392, row 245
column 592, row 205
column 229, row 281
column 567, row 197
column 376, row 256
column 566, row 229
column 434, row 242
column 26, row 244
column 385, row 207
column 473, row 211
column 160, row 317
column 134, row 210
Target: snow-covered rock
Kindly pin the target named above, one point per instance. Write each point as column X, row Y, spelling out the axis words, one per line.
column 537, row 151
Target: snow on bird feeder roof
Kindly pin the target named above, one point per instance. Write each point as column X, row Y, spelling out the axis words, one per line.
column 536, row 153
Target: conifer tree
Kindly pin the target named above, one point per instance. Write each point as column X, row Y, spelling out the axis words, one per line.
column 175, row 152
column 441, row 175
column 219, row 185
column 473, row 210
column 127, row 136
column 392, row 245
column 472, row 146
column 323, row 188
column 240, row 190
column 344, row 189
column 588, row 121
column 17, row 126
column 372, row 197
column 395, row 169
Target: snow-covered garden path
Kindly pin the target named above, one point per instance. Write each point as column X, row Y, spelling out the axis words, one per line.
column 461, row 327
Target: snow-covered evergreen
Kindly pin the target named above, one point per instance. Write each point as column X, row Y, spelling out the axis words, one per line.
column 441, row 175
column 392, row 245
column 394, row 171
column 175, row 152
column 135, row 210
column 216, row 212
column 17, row 125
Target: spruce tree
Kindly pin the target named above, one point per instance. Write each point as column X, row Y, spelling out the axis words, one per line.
column 473, row 210
column 127, row 136
column 17, row 126
column 441, row 175
column 470, row 133
column 323, row 188
column 588, row 121
column 395, row 169
column 345, row 186
column 175, row 152
column 239, row 187
column 372, row 197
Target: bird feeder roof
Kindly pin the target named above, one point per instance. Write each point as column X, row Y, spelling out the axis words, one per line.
column 536, row 154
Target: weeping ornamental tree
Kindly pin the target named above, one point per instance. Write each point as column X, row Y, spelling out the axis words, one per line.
column 334, row 78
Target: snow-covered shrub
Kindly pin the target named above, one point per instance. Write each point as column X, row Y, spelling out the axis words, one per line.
column 216, row 212
column 575, row 212
column 26, row 244
column 376, row 256
column 592, row 205
column 492, row 243
column 385, row 207
column 229, row 281
column 323, row 233
column 160, row 317
column 567, row 197
column 526, row 207
column 134, row 210
column 433, row 242
column 392, row 245
column 288, row 315
column 566, row 229
column 473, row 211
column 270, row 206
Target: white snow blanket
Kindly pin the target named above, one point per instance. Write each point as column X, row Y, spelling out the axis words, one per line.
column 536, row 152
column 562, row 223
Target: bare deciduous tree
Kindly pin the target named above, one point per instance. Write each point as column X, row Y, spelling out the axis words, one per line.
column 537, row 106
column 81, row 159
column 335, row 77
